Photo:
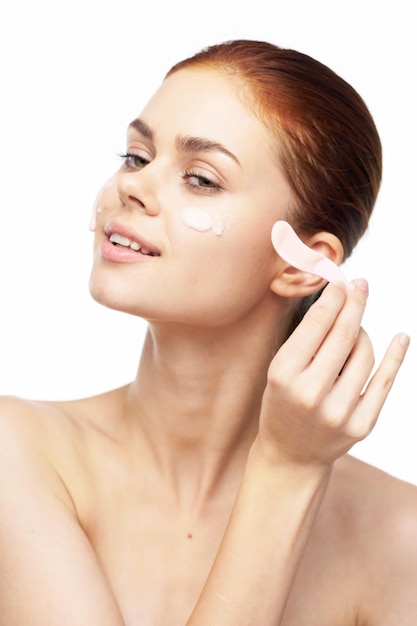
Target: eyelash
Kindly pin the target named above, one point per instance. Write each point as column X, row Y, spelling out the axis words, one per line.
column 130, row 156
column 211, row 187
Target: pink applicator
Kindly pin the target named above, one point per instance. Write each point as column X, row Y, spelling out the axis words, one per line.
column 289, row 246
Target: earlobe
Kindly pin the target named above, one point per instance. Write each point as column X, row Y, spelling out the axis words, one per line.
column 291, row 282
column 294, row 283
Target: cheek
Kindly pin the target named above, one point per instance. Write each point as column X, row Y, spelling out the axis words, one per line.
column 225, row 251
column 106, row 193
column 243, row 241
column 203, row 221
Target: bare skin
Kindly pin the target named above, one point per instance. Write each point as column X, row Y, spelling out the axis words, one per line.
column 217, row 487
column 117, row 527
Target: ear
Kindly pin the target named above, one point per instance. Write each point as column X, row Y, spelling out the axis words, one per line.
column 290, row 282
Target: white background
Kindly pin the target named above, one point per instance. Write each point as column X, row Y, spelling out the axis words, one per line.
column 74, row 74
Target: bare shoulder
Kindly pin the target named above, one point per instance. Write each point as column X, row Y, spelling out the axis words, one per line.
column 48, row 566
column 381, row 507
column 24, row 417
column 23, row 429
column 379, row 513
column 375, row 494
column 15, row 412
column 52, row 434
column 31, row 434
column 42, row 422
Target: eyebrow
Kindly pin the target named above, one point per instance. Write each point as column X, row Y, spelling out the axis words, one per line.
column 142, row 128
column 200, row 144
column 186, row 143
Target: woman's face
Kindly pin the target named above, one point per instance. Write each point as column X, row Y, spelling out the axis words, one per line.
column 200, row 190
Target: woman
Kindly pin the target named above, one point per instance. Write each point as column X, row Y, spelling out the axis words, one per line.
column 216, row 488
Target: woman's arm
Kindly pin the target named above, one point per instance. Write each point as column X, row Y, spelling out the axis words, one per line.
column 310, row 416
column 262, row 547
column 49, row 573
column 314, row 409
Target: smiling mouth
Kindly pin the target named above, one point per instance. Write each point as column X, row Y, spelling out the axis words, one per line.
column 125, row 242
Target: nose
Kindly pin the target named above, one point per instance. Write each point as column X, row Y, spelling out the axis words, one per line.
column 138, row 190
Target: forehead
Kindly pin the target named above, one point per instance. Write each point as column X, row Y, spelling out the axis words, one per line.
column 205, row 103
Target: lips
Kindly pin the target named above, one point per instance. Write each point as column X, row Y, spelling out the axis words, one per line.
column 123, row 237
column 120, row 240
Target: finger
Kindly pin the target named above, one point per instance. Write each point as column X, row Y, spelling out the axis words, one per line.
column 341, row 338
column 300, row 348
column 378, row 388
column 345, row 394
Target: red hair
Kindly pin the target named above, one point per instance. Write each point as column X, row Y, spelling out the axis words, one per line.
column 325, row 135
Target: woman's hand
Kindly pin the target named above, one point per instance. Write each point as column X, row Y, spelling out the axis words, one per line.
column 318, row 403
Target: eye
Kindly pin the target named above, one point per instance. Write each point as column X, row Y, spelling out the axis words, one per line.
column 133, row 161
column 199, row 182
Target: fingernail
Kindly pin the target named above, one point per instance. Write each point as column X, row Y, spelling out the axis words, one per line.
column 361, row 284
column 404, row 340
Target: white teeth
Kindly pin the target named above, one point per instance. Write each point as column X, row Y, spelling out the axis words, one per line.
column 128, row 243
column 123, row 241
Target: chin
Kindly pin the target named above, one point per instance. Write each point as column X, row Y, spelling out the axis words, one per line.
column 113, row 295
column 106, row 294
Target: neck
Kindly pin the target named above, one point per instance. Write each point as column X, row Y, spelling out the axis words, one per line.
column 197, row 399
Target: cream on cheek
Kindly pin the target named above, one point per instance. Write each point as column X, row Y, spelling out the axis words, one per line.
column 202, row 221
column 96, row 206
column 93, row 219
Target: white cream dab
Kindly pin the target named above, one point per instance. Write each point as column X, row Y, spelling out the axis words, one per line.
column 202, row 221
column 96, row 206
column 93, row 220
